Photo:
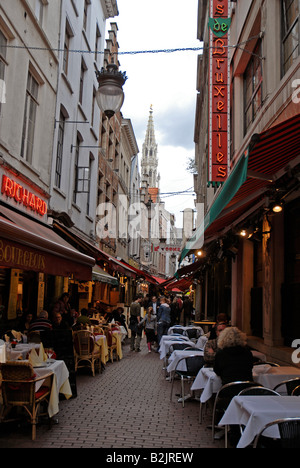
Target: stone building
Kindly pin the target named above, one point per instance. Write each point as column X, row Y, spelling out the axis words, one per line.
column 250, row 230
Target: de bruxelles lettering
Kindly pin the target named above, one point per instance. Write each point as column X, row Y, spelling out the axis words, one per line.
column 12, row 189
column 219, row 26
column 17, row 257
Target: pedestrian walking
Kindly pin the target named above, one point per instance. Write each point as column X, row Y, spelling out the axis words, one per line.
column 187, row 310
column 134, row 320
column 149, row 323
column 163, row 318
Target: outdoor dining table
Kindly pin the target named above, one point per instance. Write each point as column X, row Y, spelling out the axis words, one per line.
column 173, row 361
column 168, row 340
column 20, row 351
column 60, row 383
column 102, row 343
column 265, row 375
column 208, row 381
column 254, row 412
column 275, row 375
column 118, row 335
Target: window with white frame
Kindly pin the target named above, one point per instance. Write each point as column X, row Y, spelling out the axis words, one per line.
column 67, row 43
column 77, row 153
column 82, row 78
column 30, row 112
column 97, row 43
column 59, row 151
column 39, row 10
column 86, row 14
column 290, row 33
column 3, row 51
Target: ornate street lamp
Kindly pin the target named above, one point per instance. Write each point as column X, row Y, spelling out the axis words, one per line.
column 110, row 95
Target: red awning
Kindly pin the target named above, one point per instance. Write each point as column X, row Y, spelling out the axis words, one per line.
column 268, row 160
column 159, row 280
column 29, row 245
column 121, row 267
column 182, row 284
column 151, row 279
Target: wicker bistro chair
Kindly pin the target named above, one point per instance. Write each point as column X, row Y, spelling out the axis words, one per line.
column 86, row 351
column 289, row 430
column 193, row 363
column 19, row 390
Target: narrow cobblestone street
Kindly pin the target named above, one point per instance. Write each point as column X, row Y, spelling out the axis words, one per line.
column 127, row 406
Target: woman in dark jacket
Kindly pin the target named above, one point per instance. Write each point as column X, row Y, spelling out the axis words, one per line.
column 234, row 360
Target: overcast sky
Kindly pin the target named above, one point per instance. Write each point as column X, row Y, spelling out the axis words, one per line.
column 167, row 81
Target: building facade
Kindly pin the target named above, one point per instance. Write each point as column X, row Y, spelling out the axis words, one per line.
column 33, row 256
column 250, row 267
column 77, row 121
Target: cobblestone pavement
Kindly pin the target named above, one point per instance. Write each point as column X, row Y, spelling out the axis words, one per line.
column 126, row 406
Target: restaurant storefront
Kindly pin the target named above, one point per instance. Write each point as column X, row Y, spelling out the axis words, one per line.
column 253, row 223
column 36, row 264
column 114, row 281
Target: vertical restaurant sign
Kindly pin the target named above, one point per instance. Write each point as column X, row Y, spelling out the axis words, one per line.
column 219, row 91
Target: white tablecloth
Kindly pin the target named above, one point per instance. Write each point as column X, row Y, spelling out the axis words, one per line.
column 177, row 355
column 265, row 375
column 275, row 375
column 254, row 412
column 167, row 341
column 208, row 381
column 60, row 383
column 21, row 350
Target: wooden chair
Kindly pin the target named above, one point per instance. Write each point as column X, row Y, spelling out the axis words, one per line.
column 19, row 390
column 86, row 351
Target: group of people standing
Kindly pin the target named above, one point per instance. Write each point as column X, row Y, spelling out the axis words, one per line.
column 161, row 314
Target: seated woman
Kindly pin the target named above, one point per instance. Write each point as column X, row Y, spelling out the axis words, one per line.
column 233, row 359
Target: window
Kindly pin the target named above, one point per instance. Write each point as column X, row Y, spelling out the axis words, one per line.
column 59, row 153
column 94, row 107
column 290, row 33
column 253, row 87
column 66, row 56
column 3, row 50
column 85, row 14
column 31, row 104
column 97, row 43
column 89, row 184
column 39, row 10
column 78, row 141
column 81, row 85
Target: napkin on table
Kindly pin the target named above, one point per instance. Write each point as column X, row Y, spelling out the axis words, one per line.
column 37, row 359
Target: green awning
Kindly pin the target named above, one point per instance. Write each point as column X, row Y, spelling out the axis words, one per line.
column 100, row 275
column 234, row 182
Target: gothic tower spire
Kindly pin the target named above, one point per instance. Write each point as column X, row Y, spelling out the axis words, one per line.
column 149, row 163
